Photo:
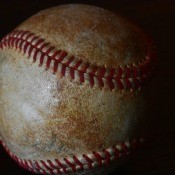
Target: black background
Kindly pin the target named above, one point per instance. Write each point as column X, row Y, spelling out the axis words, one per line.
column 156, row 17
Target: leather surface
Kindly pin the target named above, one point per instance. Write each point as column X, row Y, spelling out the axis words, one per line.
column 157, row 18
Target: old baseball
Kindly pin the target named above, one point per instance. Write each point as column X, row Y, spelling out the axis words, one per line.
column 71, row 80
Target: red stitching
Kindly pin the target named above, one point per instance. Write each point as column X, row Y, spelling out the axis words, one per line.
column 78, row 63
column 125, row 148
column 69, row 61
column 81, row 76
column 59, row 163
column 78, row 162
column 101, row 72
column 37, row 165
column 48, row 62
column 74, row 163
column 45, row 165
column 87, row 158
column 51, row 164
column 107, row 157
column 120, row 72
column 110, row 83
column 72, row 74
column 120, row 85
column 99, row 158
column 70, row 164
column 128, row 72
column 123, row 78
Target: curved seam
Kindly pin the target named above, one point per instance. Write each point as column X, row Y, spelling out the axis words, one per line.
column 129, row 77
column 77, row 162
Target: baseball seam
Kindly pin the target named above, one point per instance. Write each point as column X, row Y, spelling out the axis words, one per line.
column 128, row 77
column 77, row 162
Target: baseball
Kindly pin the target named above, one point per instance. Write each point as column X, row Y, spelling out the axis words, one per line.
column 71, row 90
